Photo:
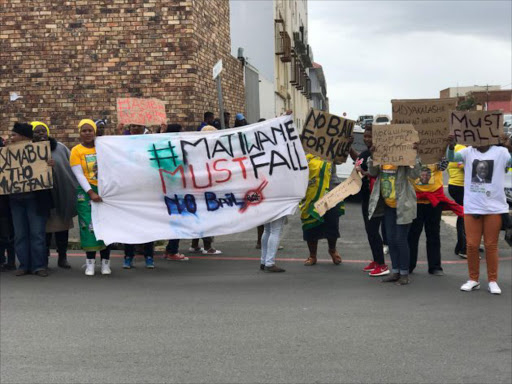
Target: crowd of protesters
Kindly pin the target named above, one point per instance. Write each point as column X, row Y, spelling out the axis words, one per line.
column 397, row 201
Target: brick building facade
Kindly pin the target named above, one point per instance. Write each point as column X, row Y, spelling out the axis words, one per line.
column 71, row 60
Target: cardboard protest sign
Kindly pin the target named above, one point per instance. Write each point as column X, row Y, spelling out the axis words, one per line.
column 476, row 128
column 430, row 118
column 195, row 184
column 349, row 187
column 141, row 111
column 327, row 136
column 394, row 144
column 24, row 168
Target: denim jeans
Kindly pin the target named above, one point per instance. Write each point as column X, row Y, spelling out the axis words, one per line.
column 397, row 241
column 270, row 241
column 29, row 234
column 430, row 218
column 457, row 193
column 372, row 227
column 173, row 246
column 129, row 250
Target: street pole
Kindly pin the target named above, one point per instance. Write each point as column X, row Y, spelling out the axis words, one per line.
column 221, row 104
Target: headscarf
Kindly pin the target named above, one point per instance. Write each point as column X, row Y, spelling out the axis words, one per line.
column 87, row 121
column 34, row 124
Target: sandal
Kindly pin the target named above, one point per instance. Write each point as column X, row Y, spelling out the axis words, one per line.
column 310, row 261
column 336, row 258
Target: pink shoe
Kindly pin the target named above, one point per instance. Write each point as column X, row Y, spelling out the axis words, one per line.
column 380, row 270
column 176, row 257
column 370, row 267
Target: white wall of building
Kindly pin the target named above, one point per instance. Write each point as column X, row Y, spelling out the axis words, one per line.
column 267, row 99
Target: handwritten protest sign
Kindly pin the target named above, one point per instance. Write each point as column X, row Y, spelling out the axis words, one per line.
column 394, row 144
column 430, row 118
column 327, row 136
column 476, row 128
column 349, row 187
column 24, row 168
column 141, row 111
column 196, row 184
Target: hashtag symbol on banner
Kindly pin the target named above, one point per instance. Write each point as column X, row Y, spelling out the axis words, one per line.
column 162, row 154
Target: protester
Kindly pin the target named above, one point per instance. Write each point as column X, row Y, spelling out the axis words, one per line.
column 431, row 201
column 172, row 249
column 240, row 120
column 456, row 190
column 30, row 211
column 394, row 196
column 208, row 248
column 84, row 166
column 270, row 244
column 372, row 225
column 227, row 119
column 101, row 126
column 322, row 178
column 6, row 232
column 63, row 194
column 484, row 203
column 208, row 118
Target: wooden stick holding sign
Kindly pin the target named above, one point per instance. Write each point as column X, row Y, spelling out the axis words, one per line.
column 476, row 128
column 394, row 144
column 24, row 168
column 349, row 187
column 144, row 112
column 327, row 136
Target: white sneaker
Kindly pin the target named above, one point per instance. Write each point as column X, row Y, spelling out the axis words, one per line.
column 470, row 285
column 385, row 249
column 90, row 264
column 494, row 288
column 105, row 267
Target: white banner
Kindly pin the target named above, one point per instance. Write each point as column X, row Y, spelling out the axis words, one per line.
column 196, row 184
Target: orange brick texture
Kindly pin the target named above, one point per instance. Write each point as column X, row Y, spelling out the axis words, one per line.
column 71, row 60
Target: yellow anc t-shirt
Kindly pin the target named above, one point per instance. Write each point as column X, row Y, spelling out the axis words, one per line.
column 86, row 157
column 456, row 170
column 430, row 180
column 387, row 184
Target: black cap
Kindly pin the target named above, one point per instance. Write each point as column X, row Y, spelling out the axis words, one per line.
column 23, row 129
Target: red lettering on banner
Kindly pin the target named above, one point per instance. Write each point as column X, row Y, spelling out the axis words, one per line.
column 240, row 161
column 210, row 183
column 222, row 170
column 178, row 169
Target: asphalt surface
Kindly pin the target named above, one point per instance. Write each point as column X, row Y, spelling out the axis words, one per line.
column 223, row 321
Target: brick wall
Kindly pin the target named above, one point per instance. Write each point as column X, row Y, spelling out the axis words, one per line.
column 72, row 60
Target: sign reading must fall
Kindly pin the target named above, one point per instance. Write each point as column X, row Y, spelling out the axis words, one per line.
column 430, row 118
column 327, row 136
column 144, row 112
column 24, row 168
column 476, row 128
column 394, row 144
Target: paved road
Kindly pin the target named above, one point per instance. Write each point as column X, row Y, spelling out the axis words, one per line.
column 223, row 321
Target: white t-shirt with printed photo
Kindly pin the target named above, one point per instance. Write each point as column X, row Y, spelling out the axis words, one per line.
column 484, row 180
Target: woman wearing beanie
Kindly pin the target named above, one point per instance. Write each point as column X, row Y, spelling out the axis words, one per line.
column 83, row 165
column 63, row 194
column 30, row 211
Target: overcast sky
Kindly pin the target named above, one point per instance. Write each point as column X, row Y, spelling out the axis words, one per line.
column 375, row 51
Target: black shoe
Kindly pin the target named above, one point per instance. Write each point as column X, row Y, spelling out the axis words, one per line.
column 262, row 267
column 437, row 272
column 21, row 272
column 273, row 268
column 63, row 262
column 10, row 267
column 391, row 278
column 403, row 280
column 41, row 273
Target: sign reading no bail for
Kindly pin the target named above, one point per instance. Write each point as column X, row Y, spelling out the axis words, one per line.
column 24, row 168
column 327, row 136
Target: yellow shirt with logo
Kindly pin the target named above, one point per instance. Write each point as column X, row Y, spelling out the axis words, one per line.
column 456, row 170
column 429, row 181
column 387, row 184
column 86, row 157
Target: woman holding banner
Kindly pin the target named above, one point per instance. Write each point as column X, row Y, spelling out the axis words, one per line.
column 393, row 196
column 84, row 166
column 63, row 194
column 30, row 211
column 322, row 178
column 484, row 205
